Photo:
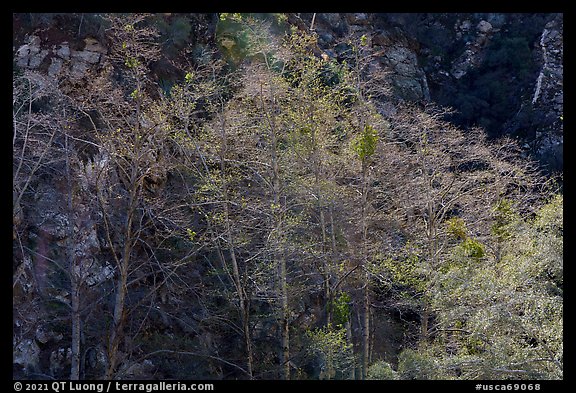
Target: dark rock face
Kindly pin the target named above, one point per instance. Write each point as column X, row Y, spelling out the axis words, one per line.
column 502, row 72
column 395, row 50
column 541, row 115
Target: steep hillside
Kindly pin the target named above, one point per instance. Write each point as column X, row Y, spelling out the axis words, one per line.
column 502, row 72
column 287, row 196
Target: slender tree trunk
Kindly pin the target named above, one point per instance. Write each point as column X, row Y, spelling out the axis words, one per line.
column 134, row 187
column 76, row 331
column 366, row 335
column 366, row 289
column 278, row 256
column 242, row 297
column 424, row 324
column 431, row 233
column 333, row 231
column 317, row 168
column 117, row 322
column 348, row 324
column 349, row 341
column 283, row 284
column 122, row 282
column 334, row 257
column 247, row 338
column 326, row 269
column 284, row 322
column 243, row 300
column 74, row 282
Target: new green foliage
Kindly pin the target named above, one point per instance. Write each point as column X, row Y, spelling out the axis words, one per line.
column 364, row 145
column 330, row 345
column 341, row 309
column 472, row 248
column 503, row 317
column 457, row 228
column 504, row 217
column 415, row 365
column 381, row 371
column 278, row 213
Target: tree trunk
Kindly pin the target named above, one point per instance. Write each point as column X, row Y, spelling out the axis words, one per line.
column 121, row 287
column 326, row 273
column 334, row 257
column 134, row 187
column 424, row 324
column 366, row 331
column 76, row 329
column 117, row 324
column 74, row 281
column 284, row 322
column 247, row 338
column 242, row 297
column 243, row 301
column 281, row 260
column 431, row 233
column 350, row 342
column 277, row 255
column 366, row 289
column 317, row 169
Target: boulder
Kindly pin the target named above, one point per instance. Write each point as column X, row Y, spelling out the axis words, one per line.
column 63, row 51
column 55, row 67
column 30, row 55
column 484, row 27
column 358, row 19
column 44, row 335
column 60, row 361
column 86, row 56
column 92, row 45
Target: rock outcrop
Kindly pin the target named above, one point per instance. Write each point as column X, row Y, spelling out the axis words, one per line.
column 58, row 59
column 395, row 51
column 547, row 103
column 451, row 59
column 502, row 72
column 473, row 54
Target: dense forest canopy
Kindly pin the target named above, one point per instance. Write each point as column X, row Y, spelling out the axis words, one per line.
column 253, row 207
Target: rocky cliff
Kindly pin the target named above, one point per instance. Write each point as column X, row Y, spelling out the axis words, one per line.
column 502, row 72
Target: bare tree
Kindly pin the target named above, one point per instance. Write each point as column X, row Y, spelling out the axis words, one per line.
column 134, row 139
column 207, row 143
column 366, row 82
column 267, row 89
column 445, row 174
column 33, row 137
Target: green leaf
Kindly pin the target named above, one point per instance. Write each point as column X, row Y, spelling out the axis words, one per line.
column 365, row 144
column 191, row 234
